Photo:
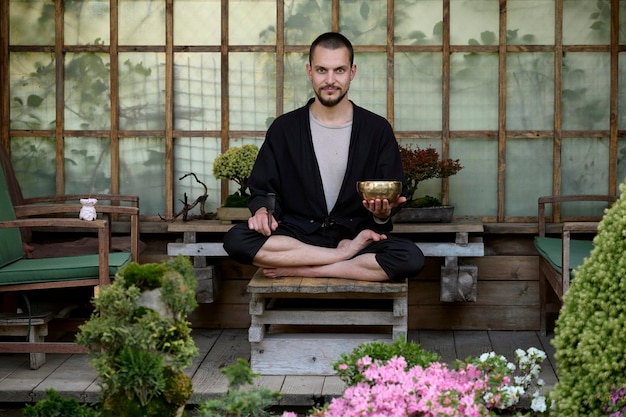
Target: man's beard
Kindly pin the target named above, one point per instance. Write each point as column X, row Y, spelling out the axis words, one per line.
column 329, row 102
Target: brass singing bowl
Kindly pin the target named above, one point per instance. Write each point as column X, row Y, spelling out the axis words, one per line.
column 371, row 190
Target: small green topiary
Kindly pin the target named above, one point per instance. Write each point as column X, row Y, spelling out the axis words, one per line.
column 590, row 331
column 236, row 165
column 55, row 405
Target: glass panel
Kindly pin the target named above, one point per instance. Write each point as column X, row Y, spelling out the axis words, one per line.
column 33, row 161
column 87, row 22
column 621, row 160
column 622, row 21
column 142, row 172
column 473, row 191
column 417, row 91
column 473, row 91
column 586, row 22
column 622, row 91
column 252, row 89
column 196, row 155
column 87, row 91
column 297, row 86
column 37, row 16
column 141, row 22
column 369, row 87
column 528, row 174
column 364, row 22
column 305, row 20
column 142, row 91
column 197, row 91
column 586, row 90
column 474, row 22
column 252, row 22
column 530, row 22
column 87, row 166
column 584, row 166
column 32, row 91
column 418, row 22
column 197, row 22
column 530, row 91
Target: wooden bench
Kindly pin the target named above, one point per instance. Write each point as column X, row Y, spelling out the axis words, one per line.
column 458, row 278
column 286, row 314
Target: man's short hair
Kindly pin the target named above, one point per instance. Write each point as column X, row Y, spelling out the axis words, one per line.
column 332, row 40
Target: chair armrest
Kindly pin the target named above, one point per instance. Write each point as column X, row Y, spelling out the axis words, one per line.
column 581, row 227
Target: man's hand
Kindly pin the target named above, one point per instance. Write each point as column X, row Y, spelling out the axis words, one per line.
column 381, row 209
column 261, row 222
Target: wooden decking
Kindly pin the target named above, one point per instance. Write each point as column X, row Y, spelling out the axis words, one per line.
column 72, row 376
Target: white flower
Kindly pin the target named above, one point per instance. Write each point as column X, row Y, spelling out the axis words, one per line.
column 538, row 403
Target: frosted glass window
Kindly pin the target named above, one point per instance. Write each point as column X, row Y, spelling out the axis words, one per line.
column 197, row 22
column 87, row 166
column 418, row 91
column 369, row 87
column 622, row 92
column 418, row 22
column 530, row 22
column 364, row 22
column 32, row 91
column 586, row 90
column 621, row 160
column 87, row 91
column 530, row 91
column 584, row 166
column 297, row 89
column 586, row 22
column 34, row 164
column 87, row 22
column 197, row 91
column 141, row 22
column 528, row 174
column 622, row 21
column 196, row 155
column 252, row 89
column 305, row 20
column 142, row 172
column 473, row 191
column 252, row 22
column 473, row 91
column 474, row 22
column 37, row 16
column 142, row 91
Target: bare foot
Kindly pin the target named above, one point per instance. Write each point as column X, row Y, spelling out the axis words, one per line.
column 360, row 242
column 285, row 272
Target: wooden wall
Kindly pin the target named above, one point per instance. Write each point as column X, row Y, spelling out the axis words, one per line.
column 508, row 292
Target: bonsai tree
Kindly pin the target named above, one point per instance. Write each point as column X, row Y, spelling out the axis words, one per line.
column 140, row 341
column 589, row 333
column 236, row 165
column 420, row 165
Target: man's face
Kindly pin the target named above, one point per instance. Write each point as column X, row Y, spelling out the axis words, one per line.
column 330, row 73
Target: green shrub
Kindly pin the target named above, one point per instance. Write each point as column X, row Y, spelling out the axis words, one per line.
column 56, row 406
column 238, row 402
column 589, row 333
column 347, row 368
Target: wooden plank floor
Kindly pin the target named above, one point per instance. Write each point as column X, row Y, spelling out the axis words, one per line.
column 72, row 376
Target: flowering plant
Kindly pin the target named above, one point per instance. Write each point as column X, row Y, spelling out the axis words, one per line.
column 474, row 388
column 423, row 164
column 615, row 405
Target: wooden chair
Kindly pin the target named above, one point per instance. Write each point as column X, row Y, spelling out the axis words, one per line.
column 560, row 256
column 18, row 273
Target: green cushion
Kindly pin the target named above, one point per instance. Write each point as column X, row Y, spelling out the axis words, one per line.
column 68, row 268
column 10, row 239
column 550, row 249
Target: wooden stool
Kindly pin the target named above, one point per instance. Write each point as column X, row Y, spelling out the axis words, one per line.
column 304, row 303
column 18, row 325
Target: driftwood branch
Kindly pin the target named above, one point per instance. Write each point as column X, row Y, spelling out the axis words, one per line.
column 201, row 200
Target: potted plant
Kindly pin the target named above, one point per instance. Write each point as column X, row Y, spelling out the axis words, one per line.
column 236, row 165
column 140, row 341
column 419, row 165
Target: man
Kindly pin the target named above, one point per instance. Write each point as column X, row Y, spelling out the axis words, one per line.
column 311, row 161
